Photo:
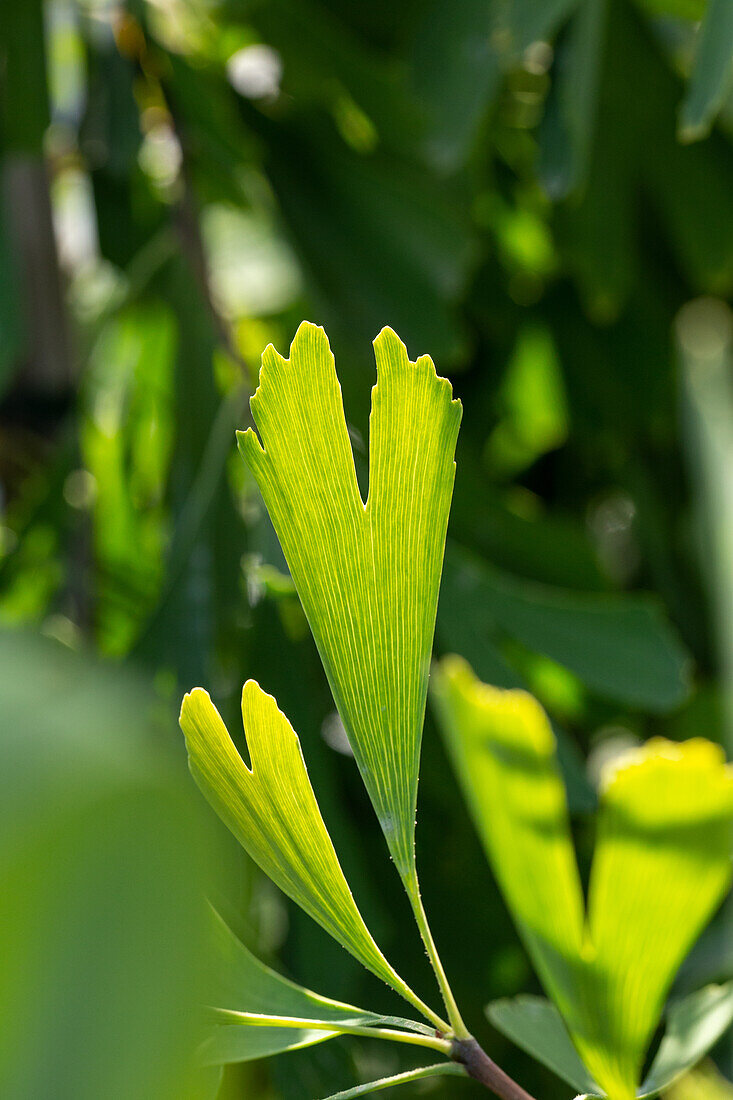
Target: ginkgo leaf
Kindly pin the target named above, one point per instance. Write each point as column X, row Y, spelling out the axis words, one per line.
column 273, row 812
column 443, row 1069
column 367, row 574
column 694, row 1024
column 503, row 750
column 661, row 864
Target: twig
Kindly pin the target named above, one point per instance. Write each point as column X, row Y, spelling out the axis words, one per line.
column 479, row 1066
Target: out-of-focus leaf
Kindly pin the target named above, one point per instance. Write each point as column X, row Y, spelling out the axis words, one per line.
column 526, row 22
column 125, row 441
column 660, row 869
column 443, row 1069
column 693, row 1027
column 705, row 337
column 246, row 985
column 456, row 72
column 367, row 575
column 379, row 235
column 566, row 132
column 536, row 1026
column 547, row 547
column 465, row 626
column 459, row 56
column 325, row 62
column 704, row 1083
column 272, row 810
column 712, row 73
column 532, row 400
column 621, row 647
column 102, row 869
column 503, row 750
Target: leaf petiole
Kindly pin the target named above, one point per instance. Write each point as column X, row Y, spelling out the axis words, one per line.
column 413, row 892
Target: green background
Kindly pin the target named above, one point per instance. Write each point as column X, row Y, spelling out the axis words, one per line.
column 514, row 188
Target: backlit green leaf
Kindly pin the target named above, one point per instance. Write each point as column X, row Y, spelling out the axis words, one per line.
column 694, row 1025
column 273, row 812
column 503, row 750
column 661, row 865
column 367, row 575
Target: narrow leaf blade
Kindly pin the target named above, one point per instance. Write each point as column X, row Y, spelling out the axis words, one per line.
column 712, row 74
column 443, row 1069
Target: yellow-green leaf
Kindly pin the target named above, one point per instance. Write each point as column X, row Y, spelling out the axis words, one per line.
column 661, row 867
column 367, row 574
column 503, row 750
column 272, row 810
column 662, row 864
column 693, row 1026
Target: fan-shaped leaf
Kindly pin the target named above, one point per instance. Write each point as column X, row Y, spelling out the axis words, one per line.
column 273, row 812
column 694, row 1025
column 661, row 865
column 367, row 575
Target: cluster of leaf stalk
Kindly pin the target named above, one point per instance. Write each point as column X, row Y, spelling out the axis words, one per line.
column 368, row 576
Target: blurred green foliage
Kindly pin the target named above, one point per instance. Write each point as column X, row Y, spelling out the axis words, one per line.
column 505, row 184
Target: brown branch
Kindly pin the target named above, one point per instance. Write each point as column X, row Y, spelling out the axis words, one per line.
column 479, row 1066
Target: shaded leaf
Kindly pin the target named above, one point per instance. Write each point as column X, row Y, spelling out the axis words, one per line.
column 566, row 133
column 621, row 647
column 536, row 1026
column 694, row 1026
column 273, row 812
column 244, row 984
column 367, row 575
column 712, row 73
